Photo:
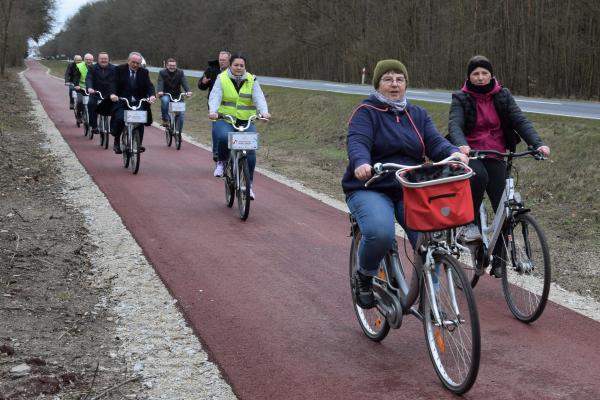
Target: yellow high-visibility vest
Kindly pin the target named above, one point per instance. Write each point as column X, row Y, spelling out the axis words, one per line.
column 83, row 70
column 239, row 105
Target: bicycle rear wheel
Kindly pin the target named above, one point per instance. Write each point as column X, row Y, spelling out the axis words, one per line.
column 135, row 151
column 243, row 191
column 168, row 135
column 125, row 148
column 372, row 322
column 453, row 341
column 526, row 269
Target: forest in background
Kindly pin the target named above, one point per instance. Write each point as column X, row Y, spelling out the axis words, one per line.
column 546, row 48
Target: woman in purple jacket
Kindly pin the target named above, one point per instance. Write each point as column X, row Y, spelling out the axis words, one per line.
column 485, row 116
column 385, row 127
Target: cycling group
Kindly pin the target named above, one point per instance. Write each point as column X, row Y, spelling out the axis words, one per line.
column 402, row 169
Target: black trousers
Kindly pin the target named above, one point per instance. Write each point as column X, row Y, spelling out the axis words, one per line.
column 490, row 175
column 97, row 106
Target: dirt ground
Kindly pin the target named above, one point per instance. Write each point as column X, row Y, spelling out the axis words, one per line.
column 49, row 309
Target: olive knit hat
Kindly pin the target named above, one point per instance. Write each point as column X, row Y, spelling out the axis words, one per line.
column 479, row 61
column 384, row 66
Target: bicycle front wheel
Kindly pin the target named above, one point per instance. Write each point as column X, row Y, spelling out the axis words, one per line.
column 243, row 191
column 125, row 148
column 168, row 135
column 526, row 268
column 451, row 325
column 135, row 151
column 178, row 132
column 372, row 322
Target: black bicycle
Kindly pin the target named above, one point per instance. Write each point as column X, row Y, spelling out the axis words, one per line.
column 446, row 304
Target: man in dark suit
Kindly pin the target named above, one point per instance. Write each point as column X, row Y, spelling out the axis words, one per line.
column 69, row 76
column 99, row 79
column 134, row 84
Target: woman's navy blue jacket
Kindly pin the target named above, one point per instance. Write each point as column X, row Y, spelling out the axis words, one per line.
column 378, row 134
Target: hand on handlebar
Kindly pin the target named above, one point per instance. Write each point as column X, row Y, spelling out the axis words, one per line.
column 114, row 97
column 363, row 172
column 213, row 116
column 151, row 99
column 91, row 91
column 545, row 150
column 461, row 156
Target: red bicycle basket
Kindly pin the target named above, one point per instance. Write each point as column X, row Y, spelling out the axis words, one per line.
column 437, row 197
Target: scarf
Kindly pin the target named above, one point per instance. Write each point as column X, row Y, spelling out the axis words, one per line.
column 397, row 106
column 238, row 79
column 481, row 89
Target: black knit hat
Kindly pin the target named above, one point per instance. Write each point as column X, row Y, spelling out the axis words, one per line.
column 479, row 61
column 384, row 66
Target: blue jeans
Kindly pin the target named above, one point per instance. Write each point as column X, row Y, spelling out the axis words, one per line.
column 164, row 111
column 375, row 212
column 220, row 129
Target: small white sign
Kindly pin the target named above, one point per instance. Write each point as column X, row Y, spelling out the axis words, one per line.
column 136, row 117
column 74, row 94
column 177, row 107
column 86, row 99
column 242, row 141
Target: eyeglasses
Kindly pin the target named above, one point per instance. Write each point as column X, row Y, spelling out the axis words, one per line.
column 389, row 81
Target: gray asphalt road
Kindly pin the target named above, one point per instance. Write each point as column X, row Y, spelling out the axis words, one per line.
column 578, row 109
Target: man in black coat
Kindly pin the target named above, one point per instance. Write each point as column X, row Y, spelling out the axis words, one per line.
column 70, row 76
column 215, row 67
column 134, row 84
column 99, row 79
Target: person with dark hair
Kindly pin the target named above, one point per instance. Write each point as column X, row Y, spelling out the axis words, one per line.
column 485, row 116
column 70, row 77
column 385, row 128
column 171, row 80
column 237, row 93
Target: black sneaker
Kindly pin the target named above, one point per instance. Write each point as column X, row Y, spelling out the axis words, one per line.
column 71, row 106
column 95, row 131
column 117, row 149
column 363, row 290
column 142, row 149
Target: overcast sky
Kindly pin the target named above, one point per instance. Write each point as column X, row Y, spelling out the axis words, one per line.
column 66, row 9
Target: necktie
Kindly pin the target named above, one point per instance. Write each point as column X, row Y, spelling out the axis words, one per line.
column 132, row 79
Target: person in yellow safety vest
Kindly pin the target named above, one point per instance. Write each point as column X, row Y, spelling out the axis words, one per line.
column 236, row 92
column 79, row 76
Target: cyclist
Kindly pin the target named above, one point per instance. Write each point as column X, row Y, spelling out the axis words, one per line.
column 79, row 76
column 133, row 83
column 69, row 77
column 171, row 80
column 236, row 92
column 385, row 127
column 215, row 67
column 485, row 116
column 99, row 79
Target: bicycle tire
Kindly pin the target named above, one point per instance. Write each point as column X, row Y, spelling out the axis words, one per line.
column 454, row 346
column 243, row 191
column 229, row 183
column 372, row 322
column 168, row 135
column 136, row 156
column 125, row 148
column 177, row 132
column 526, row 286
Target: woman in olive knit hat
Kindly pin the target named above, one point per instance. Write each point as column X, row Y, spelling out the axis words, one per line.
column 385, row 128
column 485, row 116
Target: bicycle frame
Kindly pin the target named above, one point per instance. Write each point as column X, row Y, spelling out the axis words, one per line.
column 174, row 114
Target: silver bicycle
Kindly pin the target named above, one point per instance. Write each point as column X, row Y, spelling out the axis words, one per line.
column 130, row 137
column 513, row 241
column 176, row 110
column 446, row 304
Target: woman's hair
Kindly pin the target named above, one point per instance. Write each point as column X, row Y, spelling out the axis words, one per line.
column 234, row 56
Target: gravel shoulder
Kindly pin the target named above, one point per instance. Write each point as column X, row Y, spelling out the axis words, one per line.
column 73, row 326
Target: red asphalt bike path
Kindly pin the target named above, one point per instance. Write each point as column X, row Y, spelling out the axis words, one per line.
column 269, row 297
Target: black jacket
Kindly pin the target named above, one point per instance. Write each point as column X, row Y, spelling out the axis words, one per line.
column 143, row 87
column 172, row 83
column 514, row 124
column 212, row 72
column 100, row 80
column 70, row 71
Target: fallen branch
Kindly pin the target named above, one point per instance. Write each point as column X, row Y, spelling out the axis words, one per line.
column 20, row 216
column 110, row 389
column 93, row 381
column 16, row 249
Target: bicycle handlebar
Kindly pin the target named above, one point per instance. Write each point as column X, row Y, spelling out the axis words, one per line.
column 242, row 128
column 178, row 99
column 481, row 154
column 383, row 169
column 134, row 108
